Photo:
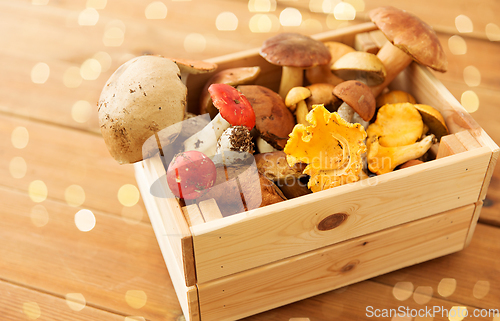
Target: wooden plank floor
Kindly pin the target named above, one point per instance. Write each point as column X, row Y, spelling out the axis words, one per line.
column 54, row 164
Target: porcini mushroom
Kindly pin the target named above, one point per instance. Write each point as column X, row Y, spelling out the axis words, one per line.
column 361, row 66
column 193, row 67
column 323, row 73
column 190, row 174
column 232, row 77
column 234, row 110
column 140, row 106
column 357, row 98
column 410, row 39
column 294, row 53
column 433, row 119
column 322, row 94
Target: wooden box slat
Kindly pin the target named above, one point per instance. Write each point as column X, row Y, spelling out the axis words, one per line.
column 334, row 266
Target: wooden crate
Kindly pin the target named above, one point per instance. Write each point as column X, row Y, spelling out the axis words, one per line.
column 232, row 267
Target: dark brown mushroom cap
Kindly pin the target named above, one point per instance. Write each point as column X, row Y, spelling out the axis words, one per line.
column 273, row 120
column 412, row 35
column 295, row 50
column 357, row 95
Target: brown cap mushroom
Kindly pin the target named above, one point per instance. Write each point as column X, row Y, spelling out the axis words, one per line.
column 193, row 67
column 273, row 120
column 362, row 66
column 294, row 52
column 322, row 93
column 394, row 97
column 322, row 73
column 409, row 39
column 232, row 77
column 358, row 96
column 138, row 105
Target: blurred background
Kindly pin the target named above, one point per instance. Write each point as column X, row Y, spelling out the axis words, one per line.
column 75, row 239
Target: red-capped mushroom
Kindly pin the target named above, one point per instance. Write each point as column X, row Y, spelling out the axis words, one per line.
column 190, row 174
column 234, row 110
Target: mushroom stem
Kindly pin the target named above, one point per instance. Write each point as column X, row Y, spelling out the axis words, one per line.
column 290, row 77
column 205, row 140
column 346, row 112
column 395, row 61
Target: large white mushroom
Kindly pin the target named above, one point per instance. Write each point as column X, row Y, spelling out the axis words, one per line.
column 141, row 107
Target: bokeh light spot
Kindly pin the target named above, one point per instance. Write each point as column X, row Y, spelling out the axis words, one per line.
column 402, row 290
column 74, row 195
column 262, row 23
column 104, row 59
column 261, row 5
column 470, row 101
column 128, row 195
column 472, row 76
column 90, row 69
column 457, row 45
column 39, row 215
column 76, row 301
column 40, row 73
column 37, row 191
column 312, row 25
column 481, row 289
column 195, row 43
column 358, row 5
column 226, row 21
column 32, row 310
column 96, row 4
column 88, row 17
column 136, row 298
column 17, row 167
column 463, row 24
column 132, row 215
column 114, row 33
column 85, row 220
column 457, row 313
column 156, row 10
column 492, row 32
column 20, row 137
column 447, row 287
column 72, row 77
column 290, row 17
column 344, row 11
column 422, row 294
column 81, row 111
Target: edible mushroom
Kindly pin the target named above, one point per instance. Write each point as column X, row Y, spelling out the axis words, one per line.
column 190, row 174
column 234, row 110
column 273, row 120
column 294, row 52
column 323, row 73
column 362, row 66
column 193, row 67
column 232, row 77
column 357, row 98
column 235, row 145
column 410, row 39
column 140, row 106
column 295, row 100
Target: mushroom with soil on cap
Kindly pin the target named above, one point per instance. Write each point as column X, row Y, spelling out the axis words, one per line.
column 410, row 39
column 273, row 120
column 294, row 52
column 191, row 174
column 234, row 110
column 357, row 99
column 232, row 77
column 140, row 107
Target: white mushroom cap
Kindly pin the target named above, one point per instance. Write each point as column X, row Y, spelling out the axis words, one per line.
column 138, row 106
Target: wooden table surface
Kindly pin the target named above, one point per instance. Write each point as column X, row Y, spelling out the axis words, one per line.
column 56, row 174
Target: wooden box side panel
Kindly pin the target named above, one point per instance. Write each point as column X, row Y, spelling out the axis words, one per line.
column 274, row 232
column 322, row 270
column 173, row 224
column 187, row 295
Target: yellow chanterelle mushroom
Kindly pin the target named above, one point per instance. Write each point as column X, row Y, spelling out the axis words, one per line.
column 331, row 148
column 393, row 137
